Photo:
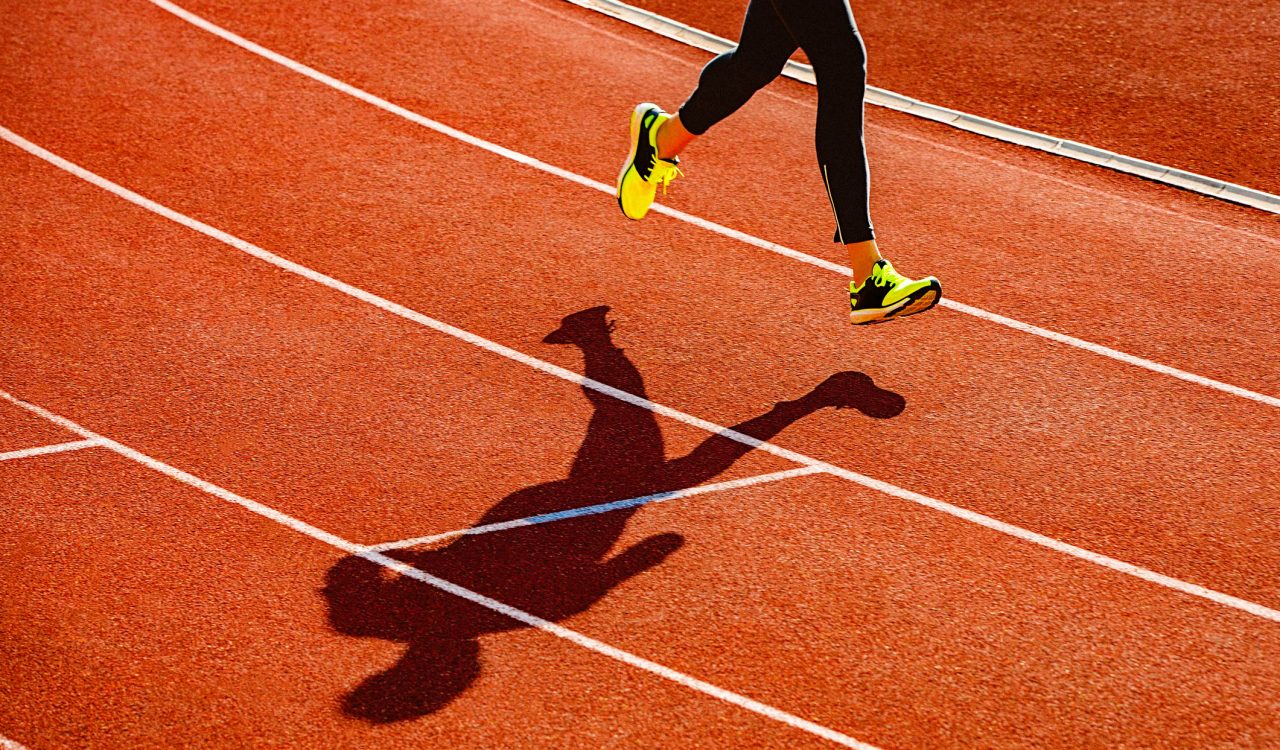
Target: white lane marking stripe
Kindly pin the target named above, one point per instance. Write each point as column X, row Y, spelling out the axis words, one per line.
column 45, row 450
column 1115, row 354
column 518, row 157
column 666, row 411
column 591, row 510
column 8, row 744
column 349, row 547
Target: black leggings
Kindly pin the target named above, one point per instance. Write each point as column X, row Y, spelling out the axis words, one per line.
column 825, row 30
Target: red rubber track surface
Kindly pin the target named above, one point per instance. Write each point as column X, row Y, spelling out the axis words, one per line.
column 139, row 612
column 1187, row 84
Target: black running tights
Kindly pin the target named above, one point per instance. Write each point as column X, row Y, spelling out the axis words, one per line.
column 825, row 30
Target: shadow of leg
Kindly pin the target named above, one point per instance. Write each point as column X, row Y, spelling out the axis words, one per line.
column 844, row 390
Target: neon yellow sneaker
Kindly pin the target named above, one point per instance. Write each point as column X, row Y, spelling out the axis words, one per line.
column 887, row 294
column 643, row 171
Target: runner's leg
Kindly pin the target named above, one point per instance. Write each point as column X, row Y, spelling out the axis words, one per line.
column 731, row 78
column 826, row 31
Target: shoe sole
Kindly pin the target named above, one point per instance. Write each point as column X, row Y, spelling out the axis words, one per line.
column 636, row 117
column 921, row 301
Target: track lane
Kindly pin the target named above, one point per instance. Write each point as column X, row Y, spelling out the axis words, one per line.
column 1026, row 462
column 1224, row 483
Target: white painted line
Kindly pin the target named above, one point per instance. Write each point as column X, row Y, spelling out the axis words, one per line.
column 591, row 510
column 378, row 558
column 518, row 157
column 1115, row 354
column 644, row 403
column 45, row 450
column 8, row 744
column 1000, row 131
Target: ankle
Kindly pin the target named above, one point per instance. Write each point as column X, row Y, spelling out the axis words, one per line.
column 662, row 142
column 671, row 138
column 862, row 258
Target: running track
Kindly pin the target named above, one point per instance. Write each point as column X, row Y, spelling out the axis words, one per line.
column 394, row 384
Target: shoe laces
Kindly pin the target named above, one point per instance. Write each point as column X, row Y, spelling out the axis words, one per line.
column 883, row 274
column 664, row 171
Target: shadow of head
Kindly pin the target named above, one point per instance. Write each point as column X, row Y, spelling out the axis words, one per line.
column 854, row 390
column 582, row 328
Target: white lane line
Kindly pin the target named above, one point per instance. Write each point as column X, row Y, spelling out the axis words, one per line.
column 8, row 744
column 581, row 380
column 591, row 510
column 378, row 558
column 518, row 157
column 45, row 450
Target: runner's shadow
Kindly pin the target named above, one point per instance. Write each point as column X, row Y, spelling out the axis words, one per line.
column 552, row 570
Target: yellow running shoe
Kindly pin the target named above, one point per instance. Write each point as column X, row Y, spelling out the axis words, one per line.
column 643, row 171
column 887, row 294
